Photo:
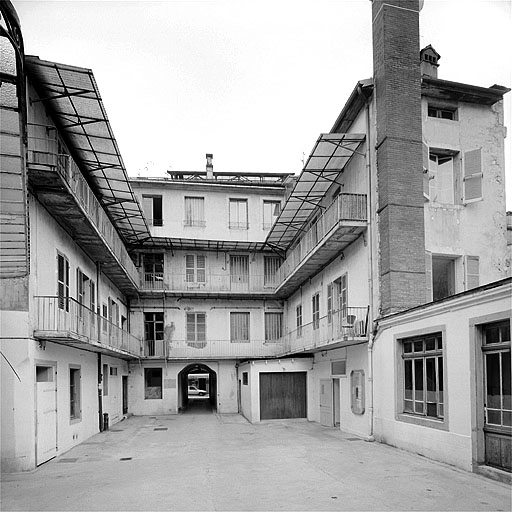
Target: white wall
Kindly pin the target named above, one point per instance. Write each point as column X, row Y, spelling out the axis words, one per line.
column 450, row 440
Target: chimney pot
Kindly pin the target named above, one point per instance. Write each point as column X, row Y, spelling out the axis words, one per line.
column 209, row 166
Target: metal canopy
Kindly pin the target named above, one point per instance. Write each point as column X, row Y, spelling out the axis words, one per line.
column 74, row 102
column 329, row 157
column 208, row 245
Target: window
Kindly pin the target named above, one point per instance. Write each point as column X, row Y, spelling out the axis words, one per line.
column 153, row 264
column 152, row 206
column 195, row 268
column 196, row 330
column 298, row 313
column 498, row 394
column 340, row 298
column 153, row 332
column 442, row 113
column 329, row 303
column 239, row 323
column 443, row 277
column 113, row 371
column 74, row 394
column 63, row 282
column 271, row 210
column 194, row 212
column 339, row 368
column 270, row 266
column 238, row 214
column 152, row 383
column 441, row 179
column 245, row 378
column 422, row 358
column 104, row 378
column 239, row 272
column 113, row 312
column 104, row 314
column 273, row 326
column 316, row 310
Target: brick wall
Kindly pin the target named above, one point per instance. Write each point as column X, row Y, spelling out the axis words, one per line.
column 396, row 61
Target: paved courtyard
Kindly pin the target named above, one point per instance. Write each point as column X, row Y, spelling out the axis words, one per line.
column 222, row 462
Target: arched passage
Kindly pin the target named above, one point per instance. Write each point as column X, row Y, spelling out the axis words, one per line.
column 204, row 378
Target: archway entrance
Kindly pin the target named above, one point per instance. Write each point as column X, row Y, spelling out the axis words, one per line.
column 197, row 389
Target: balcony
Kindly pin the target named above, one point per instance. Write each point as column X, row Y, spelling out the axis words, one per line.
column 63, row 320
column 210, row 285
column 61, row 187
column 214, row 349
column 340, row 328
column 341, row 223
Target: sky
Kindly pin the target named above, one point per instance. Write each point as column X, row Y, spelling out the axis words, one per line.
column 253, row 82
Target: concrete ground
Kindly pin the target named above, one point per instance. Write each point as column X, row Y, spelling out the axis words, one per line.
column 205, row 461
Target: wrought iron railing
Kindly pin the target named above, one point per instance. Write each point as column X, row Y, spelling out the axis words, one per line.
column 65, row 317
column 210, row 282
column 44, row 150
column 346, row 207
column 347, row 324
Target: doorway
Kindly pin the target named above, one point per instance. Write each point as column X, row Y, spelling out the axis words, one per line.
column 46, row 412
column 197, row 389
column 125, row 394
column 497, row 428
column 326, row 402
column 283, row 395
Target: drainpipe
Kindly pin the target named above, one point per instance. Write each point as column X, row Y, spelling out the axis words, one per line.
column 370, row 267
column 100, row 394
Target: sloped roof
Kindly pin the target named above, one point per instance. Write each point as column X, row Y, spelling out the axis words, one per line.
column 72, row 98
column 330, row 155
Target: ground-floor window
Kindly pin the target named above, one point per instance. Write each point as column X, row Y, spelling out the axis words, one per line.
column 152, row 383
column 74, row 393
column 423, row 390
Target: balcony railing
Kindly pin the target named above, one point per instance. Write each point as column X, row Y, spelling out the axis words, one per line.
column 338, row 326
column 65, row 318
column 341, row 326
column 345, row 208
column 44, row 151
column 214, row 349
column 210, row 283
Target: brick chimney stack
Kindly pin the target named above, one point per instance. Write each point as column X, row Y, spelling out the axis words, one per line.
column 397, row 82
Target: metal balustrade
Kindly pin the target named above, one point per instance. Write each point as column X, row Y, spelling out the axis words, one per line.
column 65, row 318
column 44, row 151
column 345, row 208
column 213, row 282
column 340, row 326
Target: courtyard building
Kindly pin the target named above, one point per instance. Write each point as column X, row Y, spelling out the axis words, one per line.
column 369, row 292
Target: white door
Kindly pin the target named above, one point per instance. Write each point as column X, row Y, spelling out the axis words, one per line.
column 46, row 413
column 326, row 402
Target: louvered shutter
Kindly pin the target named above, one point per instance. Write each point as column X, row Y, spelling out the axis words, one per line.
column 428, row 276
column 472, row 264
column 191, row 327
column 201, row 326
column 201, row 268
column 426, row 177
column 190, row 268
column 472, row 181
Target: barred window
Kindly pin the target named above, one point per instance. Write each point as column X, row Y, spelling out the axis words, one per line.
column 316, row 310
column 273, row 326
column 423, row 375
column 239, row 327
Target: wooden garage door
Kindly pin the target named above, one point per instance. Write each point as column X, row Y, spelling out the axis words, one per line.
column 282, row 395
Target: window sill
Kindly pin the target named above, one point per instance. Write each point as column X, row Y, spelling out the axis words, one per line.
column 72, row 421
column 422, row 421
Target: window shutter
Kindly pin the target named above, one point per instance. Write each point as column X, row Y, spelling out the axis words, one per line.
column 191, row 327
column 428, row 276
column 201, row 326
column 472, row 181
column 426, row 177
column 472, row 264
column 189, row 264
column 201, row 268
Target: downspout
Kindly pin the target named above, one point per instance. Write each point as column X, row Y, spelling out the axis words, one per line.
column 371, row 334
column 100, row 375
